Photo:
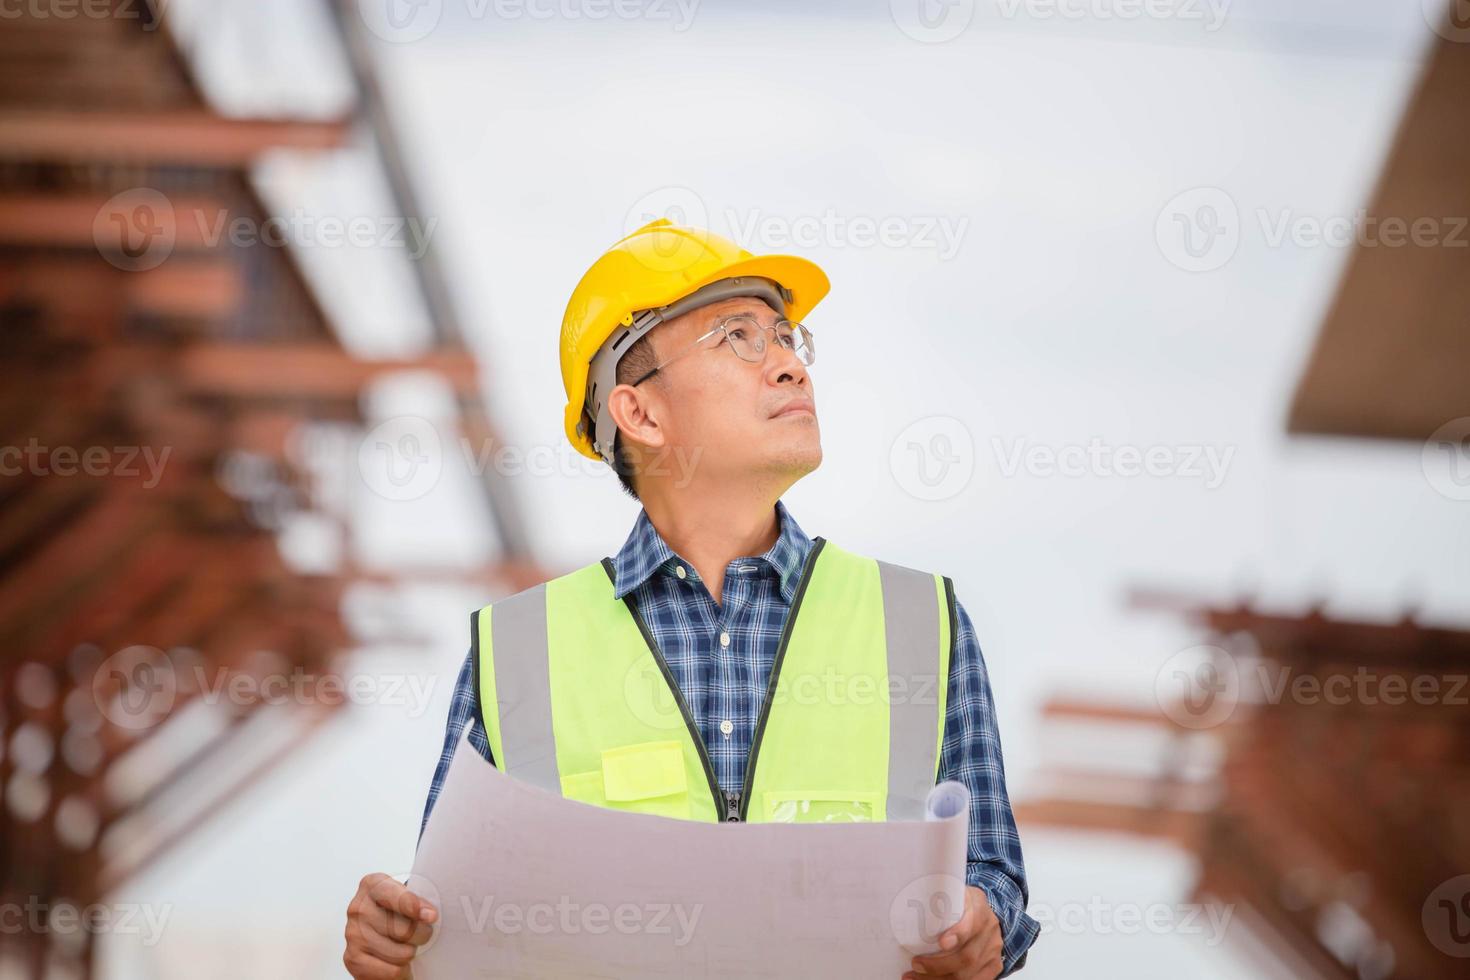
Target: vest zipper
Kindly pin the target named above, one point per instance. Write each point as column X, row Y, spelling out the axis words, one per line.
column 735, row 805
column 760, row 726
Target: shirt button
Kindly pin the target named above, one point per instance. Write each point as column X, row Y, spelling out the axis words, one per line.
column 724, row 638
column 679, row 570
column 726, row 727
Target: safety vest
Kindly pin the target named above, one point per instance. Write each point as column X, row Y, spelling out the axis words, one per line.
column 581, row 702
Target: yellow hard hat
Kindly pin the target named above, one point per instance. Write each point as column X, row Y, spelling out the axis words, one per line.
column 654, row 274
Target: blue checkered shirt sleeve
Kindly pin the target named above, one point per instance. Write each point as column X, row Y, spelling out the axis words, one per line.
column 971, row 754
column 463, row 713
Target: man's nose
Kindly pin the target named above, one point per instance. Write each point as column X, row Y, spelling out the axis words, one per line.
column 782, row 365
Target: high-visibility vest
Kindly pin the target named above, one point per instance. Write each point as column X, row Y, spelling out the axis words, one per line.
column 581, row 702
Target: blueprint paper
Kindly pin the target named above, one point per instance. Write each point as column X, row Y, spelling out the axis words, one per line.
column 529, row 884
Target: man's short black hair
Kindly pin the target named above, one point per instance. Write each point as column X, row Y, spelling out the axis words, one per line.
column 638, row 361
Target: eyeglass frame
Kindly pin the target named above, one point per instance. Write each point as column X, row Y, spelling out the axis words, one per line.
column 721, row 327
column 596, row 424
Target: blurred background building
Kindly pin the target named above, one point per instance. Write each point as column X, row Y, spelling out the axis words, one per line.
column 189, row 567
column 1316, row 763
column 1150, row 325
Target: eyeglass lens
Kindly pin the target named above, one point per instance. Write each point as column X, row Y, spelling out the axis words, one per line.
column 748, row 338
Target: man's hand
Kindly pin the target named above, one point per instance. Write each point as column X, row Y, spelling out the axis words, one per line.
column 386, row 924
column 970, row 949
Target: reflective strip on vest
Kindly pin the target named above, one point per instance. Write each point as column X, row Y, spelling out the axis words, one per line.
column 625, row 739
column 528, row 743
column 912, row 633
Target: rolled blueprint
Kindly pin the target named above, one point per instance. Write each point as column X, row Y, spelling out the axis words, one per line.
column 529, row 884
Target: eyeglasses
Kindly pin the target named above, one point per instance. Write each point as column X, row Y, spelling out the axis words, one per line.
column 747, row 338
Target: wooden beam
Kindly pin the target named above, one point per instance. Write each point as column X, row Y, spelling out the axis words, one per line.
column 499, row 578
column 113, row 523
column 1067, row 709
column 92, row 221
column 1390, row 360
column 1314, row 637
column 306, row 370
column 188, row 137
column 1180, row 828
column 80, row 286
column 202, row 289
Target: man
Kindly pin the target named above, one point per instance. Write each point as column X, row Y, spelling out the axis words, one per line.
column 715, row 668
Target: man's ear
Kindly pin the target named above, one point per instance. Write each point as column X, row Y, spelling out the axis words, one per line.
column 635, row 412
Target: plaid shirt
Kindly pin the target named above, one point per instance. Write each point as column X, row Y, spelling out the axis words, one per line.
column 728, row 683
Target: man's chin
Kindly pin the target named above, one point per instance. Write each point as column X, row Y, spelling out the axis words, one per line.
column 798, row 460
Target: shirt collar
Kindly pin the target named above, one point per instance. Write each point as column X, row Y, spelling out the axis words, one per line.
column 646, row 553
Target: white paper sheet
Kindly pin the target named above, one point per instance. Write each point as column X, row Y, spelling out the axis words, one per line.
column 532, row 885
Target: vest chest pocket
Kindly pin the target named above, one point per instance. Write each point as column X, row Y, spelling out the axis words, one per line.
column 647, row 777
column 822, row 806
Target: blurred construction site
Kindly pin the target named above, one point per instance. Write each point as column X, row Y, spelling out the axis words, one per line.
column 278, row 281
